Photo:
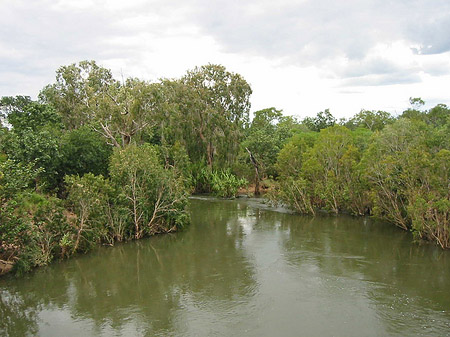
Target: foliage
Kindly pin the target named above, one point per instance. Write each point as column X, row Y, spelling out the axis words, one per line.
column 392, row 166
column 15, row 177
column 290, row 158
column 30, row 223
column 224, row 184
column 34, row 136
column 176, row 158
column 330, row 166
column 372, row 120
column 266, row 135
column 89, row 201
column 201, row 178
column 398, row 173
column 221, row 183
column 194, row 133
column 83, row 151
column 323, row 120
column 87, row 94
column 31, row 228
column 296, row 193
column 215, row 105
column 154, row 197
column 79, row 92
column 429, row 206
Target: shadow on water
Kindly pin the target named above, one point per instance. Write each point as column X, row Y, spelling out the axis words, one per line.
column 137, row 286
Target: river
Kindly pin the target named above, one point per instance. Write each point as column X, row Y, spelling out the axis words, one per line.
column 241, row 269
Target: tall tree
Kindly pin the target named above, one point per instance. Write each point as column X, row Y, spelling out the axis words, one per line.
column 87, row 94
column 216, row 105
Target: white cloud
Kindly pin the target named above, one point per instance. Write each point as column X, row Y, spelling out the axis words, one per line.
column 300, row 56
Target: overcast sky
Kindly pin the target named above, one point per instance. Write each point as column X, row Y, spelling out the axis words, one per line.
column 300, row 56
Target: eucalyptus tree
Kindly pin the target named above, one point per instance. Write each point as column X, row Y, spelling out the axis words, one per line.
column 293, row 189
column 215, row 104
column 87, row 94
column 323, row 120
column 370, row 119
column 415, row 111
column 79, row 92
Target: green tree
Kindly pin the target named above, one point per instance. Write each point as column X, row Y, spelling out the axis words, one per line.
column 84, row 151
column 323, row 120
column 415, row 112
column 87, row 94
column 330, row 165
column 154, row 197
column 372, row 120
column 263, row 142
column 429, row 203
column 79, row 92
column 292, row 188
column 34, row 136
column 439, row 115
column 291, row 156
column 89, row 200
column 31, row 224
column 393, row 164
column 215, row 105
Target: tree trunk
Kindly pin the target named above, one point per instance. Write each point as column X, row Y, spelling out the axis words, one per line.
column 255, row 165
column 210, row 153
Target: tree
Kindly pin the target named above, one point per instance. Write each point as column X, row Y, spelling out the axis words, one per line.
column 415, row 112
column 215, row 104
column 323, row 120
column 87, row 94
column 265, row 137
column 130, row 109
column 34, row 135
column 292, row 188
column 88, row 199
column 154, row 197
column 330, row 164
column 372, row 120
column 416, row 102
column 83, row 151
column 79, row 92
column 429, row 203
column 31, row 224
column 291, row 157
column 439, row 115
column 393, row 166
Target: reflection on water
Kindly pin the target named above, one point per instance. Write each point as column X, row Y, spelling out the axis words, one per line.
column 241, row 269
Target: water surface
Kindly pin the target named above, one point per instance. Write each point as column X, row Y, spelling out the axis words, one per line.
column 241, row 269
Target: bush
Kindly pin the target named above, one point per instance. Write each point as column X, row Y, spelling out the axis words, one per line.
column 32, row 226
column 224, row 184
column 155, row 198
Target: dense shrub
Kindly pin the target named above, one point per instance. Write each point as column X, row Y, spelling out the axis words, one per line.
column 224, row 184
column 154, row 197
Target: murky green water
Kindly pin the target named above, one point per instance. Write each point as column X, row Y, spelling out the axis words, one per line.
column 241, row 270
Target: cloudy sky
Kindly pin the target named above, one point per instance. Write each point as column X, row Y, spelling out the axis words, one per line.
column 300, row 56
